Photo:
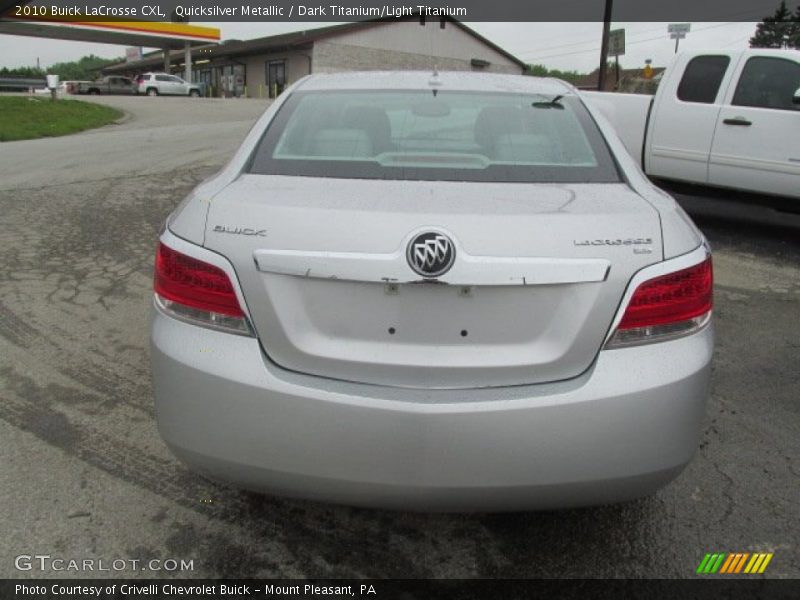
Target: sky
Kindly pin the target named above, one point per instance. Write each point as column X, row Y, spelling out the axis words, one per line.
column 565, row 46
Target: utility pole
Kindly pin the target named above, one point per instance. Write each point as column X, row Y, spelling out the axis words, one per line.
column 601, row 79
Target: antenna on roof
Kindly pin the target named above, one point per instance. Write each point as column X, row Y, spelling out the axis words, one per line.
column 434, row 80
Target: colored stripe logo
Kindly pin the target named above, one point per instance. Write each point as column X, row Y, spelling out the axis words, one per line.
column 734, row 563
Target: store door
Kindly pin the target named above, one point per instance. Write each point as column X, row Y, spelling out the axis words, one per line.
column 276, row 77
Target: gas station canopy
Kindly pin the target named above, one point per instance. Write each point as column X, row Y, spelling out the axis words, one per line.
column 153, row 34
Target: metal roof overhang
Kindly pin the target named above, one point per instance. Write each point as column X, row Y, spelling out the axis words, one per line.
column 211, row 56
column 125, row 33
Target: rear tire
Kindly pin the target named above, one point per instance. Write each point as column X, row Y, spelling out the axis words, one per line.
column 194, row 94
column 152, row 92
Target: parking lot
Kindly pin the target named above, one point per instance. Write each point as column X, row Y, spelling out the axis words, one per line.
column 85, row 474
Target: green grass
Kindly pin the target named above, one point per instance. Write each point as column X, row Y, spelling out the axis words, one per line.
column 25, row 117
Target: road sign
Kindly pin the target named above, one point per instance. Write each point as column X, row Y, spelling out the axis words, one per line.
column 616, row 42
column 133, row 53
column 678, row 31
column 679, row 28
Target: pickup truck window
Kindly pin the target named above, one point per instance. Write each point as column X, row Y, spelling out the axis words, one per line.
column 768, row 82
column 702, row 78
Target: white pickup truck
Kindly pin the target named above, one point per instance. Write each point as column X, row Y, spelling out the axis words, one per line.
column 728, row 119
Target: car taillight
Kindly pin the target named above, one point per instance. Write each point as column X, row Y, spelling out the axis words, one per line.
column 196, row 291
column 666, row 307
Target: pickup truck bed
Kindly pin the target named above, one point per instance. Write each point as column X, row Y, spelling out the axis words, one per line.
column 628, row 113
column 107, row 85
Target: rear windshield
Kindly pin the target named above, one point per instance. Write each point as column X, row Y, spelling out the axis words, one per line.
column 421, row 135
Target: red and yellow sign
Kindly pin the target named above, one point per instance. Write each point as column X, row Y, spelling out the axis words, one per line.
column 158, row 28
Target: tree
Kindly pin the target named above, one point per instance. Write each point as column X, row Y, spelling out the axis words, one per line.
column 781, row 28
column 86, row 68
column 542, row 71
column 794, row 40
column 22, row 72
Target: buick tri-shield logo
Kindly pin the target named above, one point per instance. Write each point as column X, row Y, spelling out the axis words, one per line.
column 431, row 254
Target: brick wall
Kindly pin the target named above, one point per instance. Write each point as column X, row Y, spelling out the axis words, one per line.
column 331, row 57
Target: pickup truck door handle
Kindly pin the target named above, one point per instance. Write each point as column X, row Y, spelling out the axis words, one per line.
column 738, row 121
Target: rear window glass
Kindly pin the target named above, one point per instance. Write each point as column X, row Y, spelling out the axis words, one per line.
column 419, row 135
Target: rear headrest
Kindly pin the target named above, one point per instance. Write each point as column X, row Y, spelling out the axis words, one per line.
column 495, row 121
column 374, row 121
column 344, row 143
column 524, row 148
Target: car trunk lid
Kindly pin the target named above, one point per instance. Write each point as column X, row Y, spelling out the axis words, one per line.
column 538, row 275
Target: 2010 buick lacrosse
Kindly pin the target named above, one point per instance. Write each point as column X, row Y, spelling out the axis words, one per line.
column 436, row 291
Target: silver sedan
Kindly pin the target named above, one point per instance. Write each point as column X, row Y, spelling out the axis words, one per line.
column 433, row 291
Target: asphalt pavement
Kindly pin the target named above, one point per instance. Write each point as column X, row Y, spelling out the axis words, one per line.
column 84, row 474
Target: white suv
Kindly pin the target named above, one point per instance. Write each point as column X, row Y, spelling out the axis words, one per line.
column 155, row 84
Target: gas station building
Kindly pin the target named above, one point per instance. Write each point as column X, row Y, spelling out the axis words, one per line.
column 263, row 67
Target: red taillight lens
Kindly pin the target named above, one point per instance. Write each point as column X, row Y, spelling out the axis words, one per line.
column 667, row 307
column 671, row 298
column 193, row 283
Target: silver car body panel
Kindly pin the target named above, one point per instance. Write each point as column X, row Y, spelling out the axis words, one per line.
column 486, row 389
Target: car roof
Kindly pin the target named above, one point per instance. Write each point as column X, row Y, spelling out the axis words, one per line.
column 447, row 80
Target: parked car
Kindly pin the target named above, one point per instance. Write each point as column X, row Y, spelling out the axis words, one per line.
column 107, row 85
column 443, row 292
column 70, row 87
column 157, row 84
column 727, row 119
column 64, row 88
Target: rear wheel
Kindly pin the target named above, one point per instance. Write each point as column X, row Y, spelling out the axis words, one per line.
column 194, row 93
column 94, row 92
column 152, row 92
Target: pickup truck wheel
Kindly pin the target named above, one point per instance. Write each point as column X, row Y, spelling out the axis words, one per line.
column 194, row 93
column 152, row 92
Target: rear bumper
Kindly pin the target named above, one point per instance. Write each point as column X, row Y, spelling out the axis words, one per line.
column 621, row 430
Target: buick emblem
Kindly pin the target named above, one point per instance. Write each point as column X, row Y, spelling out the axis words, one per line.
column 431, row 254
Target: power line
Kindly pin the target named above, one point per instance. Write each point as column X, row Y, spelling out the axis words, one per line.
column 596, row 49
column 592, row 41
column 749, row 12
